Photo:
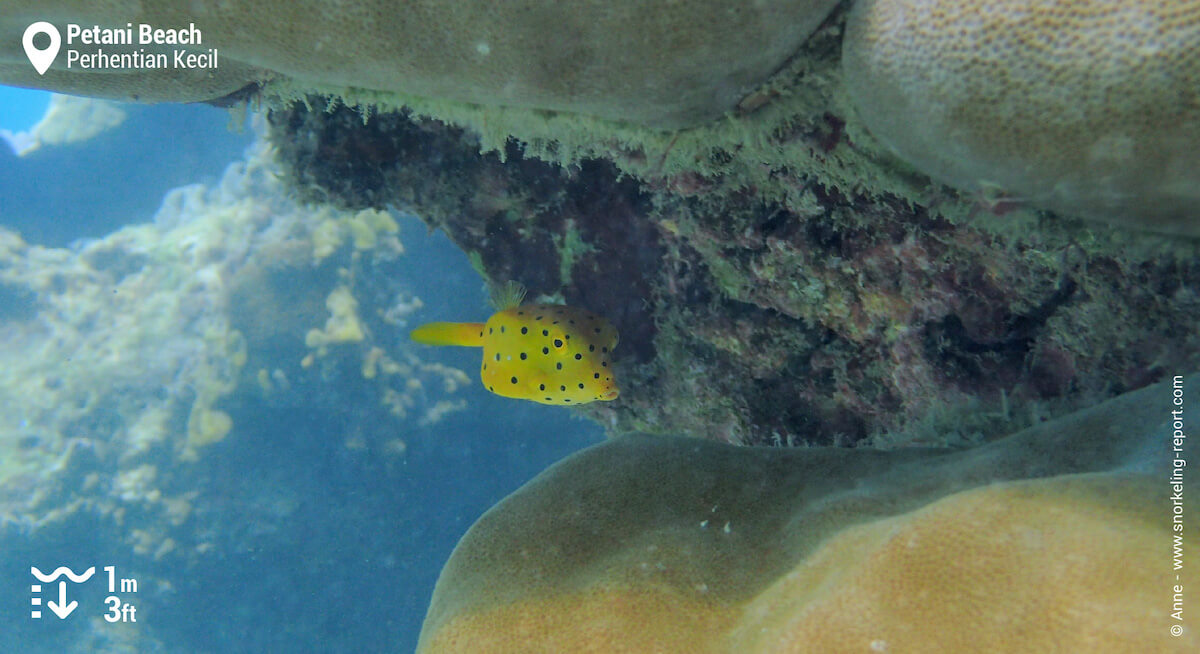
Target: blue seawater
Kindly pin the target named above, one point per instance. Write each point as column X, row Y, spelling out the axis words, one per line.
column 296, row 542
column 21, row 109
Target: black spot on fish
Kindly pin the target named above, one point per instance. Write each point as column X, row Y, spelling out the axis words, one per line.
column 524, row 356
column 545, row 350
column 596, row 375
column 497, row 356
column 501, row 329
column 578, row 356
column 604, row 363
column 541, row 387
column 524, row 330
column 591, row 348
column 545, row 332
column 558, row 342
column 489, row 330
column 580, row 384
column 562, row 388
column 513, row 380
column 558, row 365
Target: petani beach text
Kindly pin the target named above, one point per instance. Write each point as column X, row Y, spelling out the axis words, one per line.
column 137, row 46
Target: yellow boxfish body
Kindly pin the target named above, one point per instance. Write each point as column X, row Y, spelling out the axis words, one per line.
column 546, row 353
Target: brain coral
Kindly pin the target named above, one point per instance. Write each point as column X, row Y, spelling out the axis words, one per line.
column 663, row 64
column 1052, row 539
column 1086, row 107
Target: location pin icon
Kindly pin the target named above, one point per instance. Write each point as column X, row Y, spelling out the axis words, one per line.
column 41, row 59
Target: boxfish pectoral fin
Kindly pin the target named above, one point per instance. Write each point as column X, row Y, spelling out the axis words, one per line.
column 467, row 334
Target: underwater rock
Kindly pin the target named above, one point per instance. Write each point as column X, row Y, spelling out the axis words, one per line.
column 1054, row 538
column 1085, row 107
column 660, row 64
column 801, row 313
column 773, row 276
column 976, row 108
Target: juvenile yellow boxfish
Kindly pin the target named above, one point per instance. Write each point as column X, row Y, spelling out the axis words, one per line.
column 547, row 353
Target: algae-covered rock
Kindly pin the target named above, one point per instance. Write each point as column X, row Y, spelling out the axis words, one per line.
column 1054, row 538
column 774, row 275
column 1086, row 107
column 798, row 310
column 663, row 64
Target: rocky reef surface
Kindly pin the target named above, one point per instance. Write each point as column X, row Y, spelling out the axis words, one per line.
column 1086, row 107
column 790, row 313
column 786, row 272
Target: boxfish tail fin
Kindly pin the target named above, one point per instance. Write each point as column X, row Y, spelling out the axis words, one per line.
column 467, row 334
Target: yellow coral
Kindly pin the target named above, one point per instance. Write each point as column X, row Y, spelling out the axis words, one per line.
column 370, row 364
column 136, row 484
column 367, row 225
column 326, row 239
column 263, row 377
column 207, row 426
column 1008, row 568
column 1012, row 567
column 677, row 545
column 343, row 325
column 1081, row 106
